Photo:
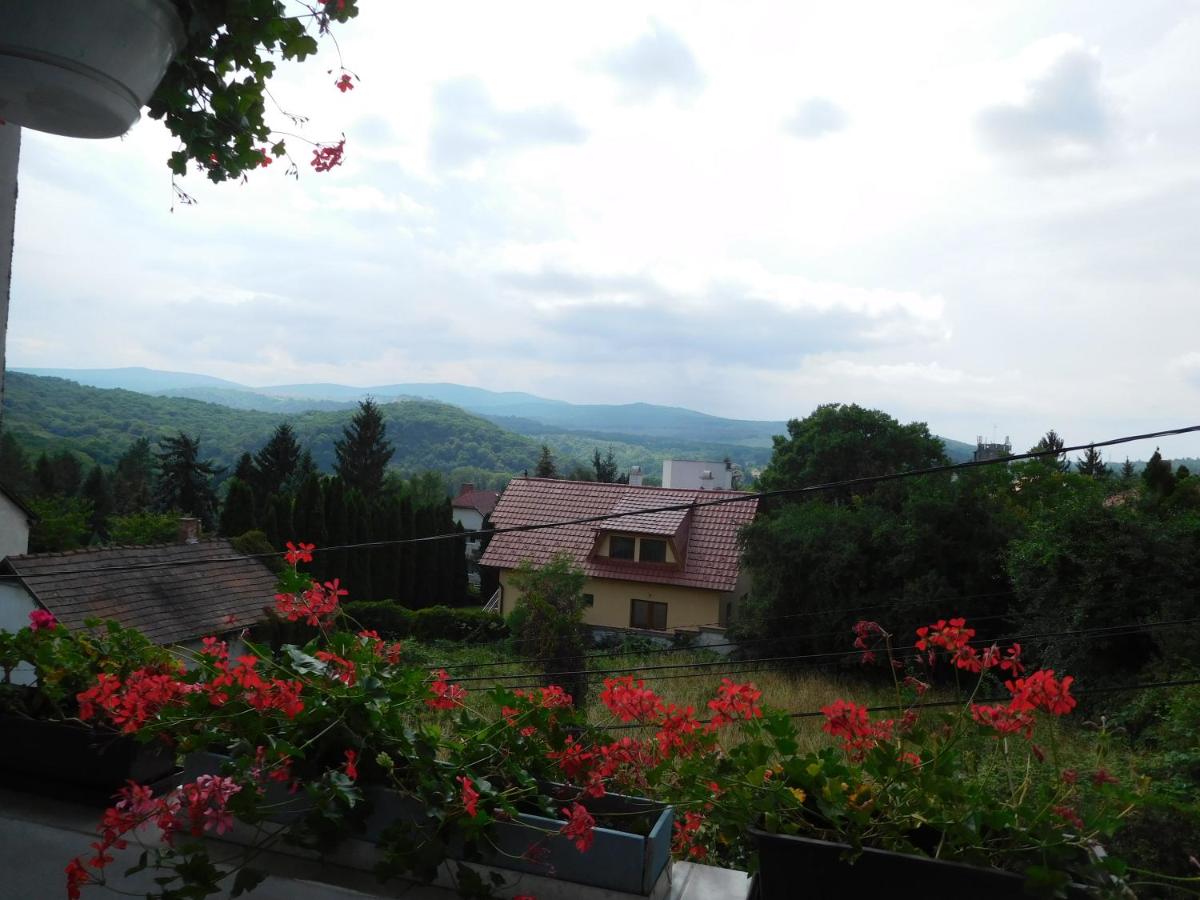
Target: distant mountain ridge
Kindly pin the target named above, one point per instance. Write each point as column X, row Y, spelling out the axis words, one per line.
column 527, row 414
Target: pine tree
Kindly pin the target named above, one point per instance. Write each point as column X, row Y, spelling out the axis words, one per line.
column 337, row 529
column 276, row 461
column 606, row 468
column 1092, row 464
column 1127, row 470
column 1157, row 476
column 1056, row 460
column 237, row 515
column 364, row 451
column 68, row 473
column 545, row 465
column 97, row 491
column 133, row 479
column 185, row 480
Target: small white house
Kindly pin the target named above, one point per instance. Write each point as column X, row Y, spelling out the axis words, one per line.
column 697, row 475
column 471, row 509
column 15, row 521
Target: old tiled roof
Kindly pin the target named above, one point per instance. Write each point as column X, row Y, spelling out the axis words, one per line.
column 710, row 557
column 484, row 501
column 170, row 604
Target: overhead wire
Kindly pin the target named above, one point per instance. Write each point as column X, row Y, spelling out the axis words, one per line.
column 724, row 499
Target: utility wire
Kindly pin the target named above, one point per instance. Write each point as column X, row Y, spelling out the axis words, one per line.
column 725, row 498
column 813, row 713
column 1081, row 632
column 830, row 612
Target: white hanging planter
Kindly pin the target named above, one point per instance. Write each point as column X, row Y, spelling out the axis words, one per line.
column 83, row 68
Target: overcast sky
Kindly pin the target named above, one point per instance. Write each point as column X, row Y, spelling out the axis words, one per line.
column 980, row 215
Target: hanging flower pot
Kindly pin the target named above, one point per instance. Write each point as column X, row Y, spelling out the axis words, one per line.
column 84, row 68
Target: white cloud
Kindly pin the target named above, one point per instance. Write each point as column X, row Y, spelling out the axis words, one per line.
column 816, row 117
column 656, row 62
column 1064, row 119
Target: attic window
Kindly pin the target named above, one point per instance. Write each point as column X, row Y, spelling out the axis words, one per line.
column 620, row 547
column 653, row 551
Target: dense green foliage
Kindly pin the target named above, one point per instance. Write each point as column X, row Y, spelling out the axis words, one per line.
column 50, row 414
column 1026, row 548
column 435, row 623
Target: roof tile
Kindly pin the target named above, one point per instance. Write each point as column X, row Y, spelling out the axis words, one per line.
column 711, row 556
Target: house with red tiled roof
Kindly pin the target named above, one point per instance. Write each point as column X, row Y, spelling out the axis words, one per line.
column 471, row 509
column 663, row 571
column 172, row 593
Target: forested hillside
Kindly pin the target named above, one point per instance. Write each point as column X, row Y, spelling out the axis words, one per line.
column 52, row 413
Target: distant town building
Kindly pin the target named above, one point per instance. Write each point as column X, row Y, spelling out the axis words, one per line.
column 698, row 475
column 470, row 510
column 992, row 450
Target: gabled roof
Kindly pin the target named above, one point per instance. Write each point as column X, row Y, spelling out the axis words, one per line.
column 18, row 502
column 710, row 557
column 482, row 501
column 176, row 602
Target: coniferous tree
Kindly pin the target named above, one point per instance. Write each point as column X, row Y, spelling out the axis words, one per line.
column 44, row 483
column 245, row 470
column 237, row 515
column 269, row 526
column 68, row 473
column 308, row 517
column 1127, row 471
column 407, row 587
column 1157, row 476
column 185, row 480
column 305, row 466
column 133, row 479
column 15, row 470
column 337, row 528
column 1057, row 460
column 98, row 491
column 604, row 468
column 364, row 450
column 545, row 465
column 282, row 505
column 1092, row 464
column 276, row 461
column 358, row 561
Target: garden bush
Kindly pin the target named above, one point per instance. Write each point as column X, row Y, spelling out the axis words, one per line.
column 393, row 621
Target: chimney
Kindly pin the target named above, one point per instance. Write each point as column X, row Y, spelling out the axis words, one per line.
column 635, row 476
column 189, row 530
column 466, row 487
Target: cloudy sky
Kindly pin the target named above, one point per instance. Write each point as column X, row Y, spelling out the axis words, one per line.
column 981, row 215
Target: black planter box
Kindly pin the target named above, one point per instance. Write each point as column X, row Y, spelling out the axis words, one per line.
column 74, row 762
column 791, row 866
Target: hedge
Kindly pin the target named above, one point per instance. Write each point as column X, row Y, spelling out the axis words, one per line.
column 470, row 625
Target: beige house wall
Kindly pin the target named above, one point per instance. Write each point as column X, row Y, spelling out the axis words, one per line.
column 686, row 607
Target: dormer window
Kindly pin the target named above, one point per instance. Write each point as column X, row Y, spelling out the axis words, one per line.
column 621, row 547
column 652, row 550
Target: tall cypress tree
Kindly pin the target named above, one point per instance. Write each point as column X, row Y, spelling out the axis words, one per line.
column 237, row 515
column 407, row 587
column 358, row 561
column 14, row 465
column 308, row 517
column 185, row 480
column 364, row 450
column 545, row 465
column 337, row 528
column 282, row 504
column 276, row 461
column 246, row 470
column 133, row 480
column 97, row 491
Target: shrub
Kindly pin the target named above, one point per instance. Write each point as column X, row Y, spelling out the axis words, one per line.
column 392, row 621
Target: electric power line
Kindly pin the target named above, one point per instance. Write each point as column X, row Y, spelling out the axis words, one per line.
column 862, row 481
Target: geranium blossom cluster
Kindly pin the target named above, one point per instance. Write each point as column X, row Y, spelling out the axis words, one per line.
column 318, row 605
column 192, row 809
column 852, row 723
